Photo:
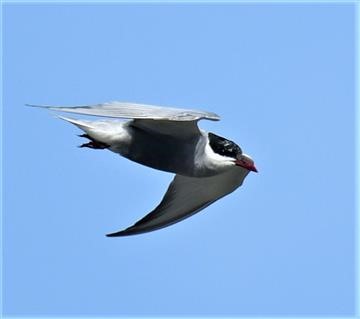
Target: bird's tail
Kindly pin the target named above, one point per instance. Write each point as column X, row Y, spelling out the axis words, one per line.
column 88, row 128
column 83, row 125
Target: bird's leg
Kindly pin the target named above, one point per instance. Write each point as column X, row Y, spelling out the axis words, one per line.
column 93, row 143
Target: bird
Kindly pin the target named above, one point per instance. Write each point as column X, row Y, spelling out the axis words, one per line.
column 207, row 166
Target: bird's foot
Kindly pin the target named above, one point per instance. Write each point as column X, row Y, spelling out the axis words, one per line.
column 93, row 143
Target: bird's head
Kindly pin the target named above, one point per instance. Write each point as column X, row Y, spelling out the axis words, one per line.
column 231, row 152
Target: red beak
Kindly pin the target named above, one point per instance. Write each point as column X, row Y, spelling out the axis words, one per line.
column 248, row 165
column 253, row 168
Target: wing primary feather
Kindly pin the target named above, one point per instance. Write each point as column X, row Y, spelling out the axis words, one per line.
column 185, row 197
column 135, row 111
column 134, row 230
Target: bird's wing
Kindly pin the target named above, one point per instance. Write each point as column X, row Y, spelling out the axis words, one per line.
column 136, row 111
column 181, row 123
column 185, row 197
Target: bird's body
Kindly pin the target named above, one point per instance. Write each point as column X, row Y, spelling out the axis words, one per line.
column 190, row 156
column 207, row 166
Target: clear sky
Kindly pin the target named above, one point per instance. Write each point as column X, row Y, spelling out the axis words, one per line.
column 282, row 78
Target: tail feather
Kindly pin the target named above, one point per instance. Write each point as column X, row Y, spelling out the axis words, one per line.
column 83, row 125
column 100, row 133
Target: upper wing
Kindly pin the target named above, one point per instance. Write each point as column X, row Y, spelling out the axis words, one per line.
column 185, row 197
column 136, row 111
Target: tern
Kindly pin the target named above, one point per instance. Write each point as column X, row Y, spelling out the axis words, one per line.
column 207, row 166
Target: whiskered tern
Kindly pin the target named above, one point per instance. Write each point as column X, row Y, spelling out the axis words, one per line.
column 207, row 166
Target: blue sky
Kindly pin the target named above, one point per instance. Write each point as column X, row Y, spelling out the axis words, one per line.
column 282, row 76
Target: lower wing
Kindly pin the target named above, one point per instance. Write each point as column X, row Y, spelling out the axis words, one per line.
column 185, row 197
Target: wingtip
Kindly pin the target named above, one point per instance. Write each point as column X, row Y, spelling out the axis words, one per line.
column 121, row 233
column 41, row 106
column 113, row 235
column 214, row 117
column 126, row 232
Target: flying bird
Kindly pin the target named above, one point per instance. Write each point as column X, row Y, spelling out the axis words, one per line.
column 207, row 166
